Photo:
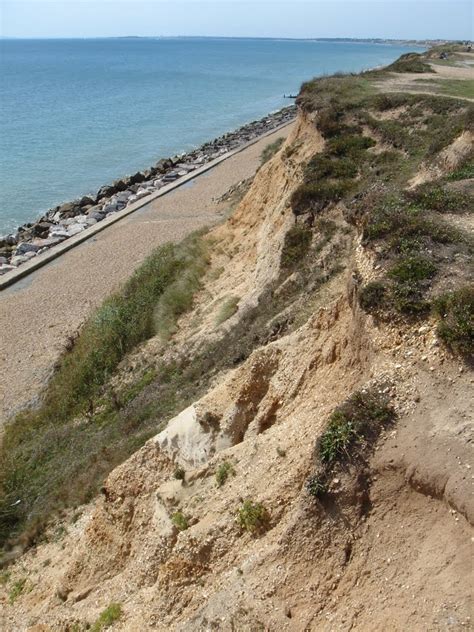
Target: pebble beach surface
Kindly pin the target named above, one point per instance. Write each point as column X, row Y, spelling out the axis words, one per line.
column 38, row 313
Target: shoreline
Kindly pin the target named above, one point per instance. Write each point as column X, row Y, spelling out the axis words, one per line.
column 67, row 222
column 40, row 312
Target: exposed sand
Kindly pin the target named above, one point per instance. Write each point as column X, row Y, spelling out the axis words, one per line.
column 38, row 313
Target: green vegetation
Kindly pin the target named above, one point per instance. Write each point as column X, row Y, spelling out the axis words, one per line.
column 464, row 171
column 352, row 429
column 180, row 521
column 223, row 472
column 228, row 309
column 108, row 617
column 177, row 297
column 17, row 589
column 270, row 150
column 435, row 197
column 253, row 517
column 296, row 245
column 330, row 175
column 372, row 295
column 58, row 454
column 352, row 424
column 410, row 62
column 456, row 313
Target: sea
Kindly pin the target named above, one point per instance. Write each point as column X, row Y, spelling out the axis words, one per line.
column 76, row 114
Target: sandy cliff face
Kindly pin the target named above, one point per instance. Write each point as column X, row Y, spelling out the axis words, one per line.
column 388, row 550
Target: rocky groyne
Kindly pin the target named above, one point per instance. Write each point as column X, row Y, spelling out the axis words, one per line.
column 69, row 219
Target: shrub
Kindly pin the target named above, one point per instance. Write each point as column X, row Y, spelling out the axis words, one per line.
column 316, row 485
column 108, row 617
column 270, row 150
column 358, row 420
column 180, row 521
column 372, row 295
column 413, row 269
column 253, row 517
column 349, row 145
column 228, row 309
column 121, row 323
column 315, row 196
column 456, row 313
column 223, row 472
column 407, row 298
column 296, row 245
column 321, row 166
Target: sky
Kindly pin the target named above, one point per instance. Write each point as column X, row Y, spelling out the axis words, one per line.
column 406, row 19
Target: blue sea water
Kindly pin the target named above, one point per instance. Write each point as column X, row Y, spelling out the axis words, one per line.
column 76, row 114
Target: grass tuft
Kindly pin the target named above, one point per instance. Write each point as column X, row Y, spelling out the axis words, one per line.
column 223, row 472
column 108, row 617
column 253, row 517
column 180, row 521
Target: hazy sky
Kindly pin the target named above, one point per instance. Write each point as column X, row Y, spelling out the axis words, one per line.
column 451, row 19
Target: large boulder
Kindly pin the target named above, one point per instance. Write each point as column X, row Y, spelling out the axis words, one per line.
column 25, row 247
column 106, row 191
column 86, row 201
column 41, row 229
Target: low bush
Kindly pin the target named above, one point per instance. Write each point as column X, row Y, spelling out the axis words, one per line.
column 57, row 455
column 372, row 295
column 349, row 145
column 179, row 474
column 314, row 197
column 223, row 472
column 253, row 517
column 353, row 424
column 464, row 171
column 413, row 269
column 352, row 429
column 408, row 298
column 456, row 313
column 107, row 618
column 296, row 245
column 322, row 166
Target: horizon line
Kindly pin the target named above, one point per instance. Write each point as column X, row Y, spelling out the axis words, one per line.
column 234, row 37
